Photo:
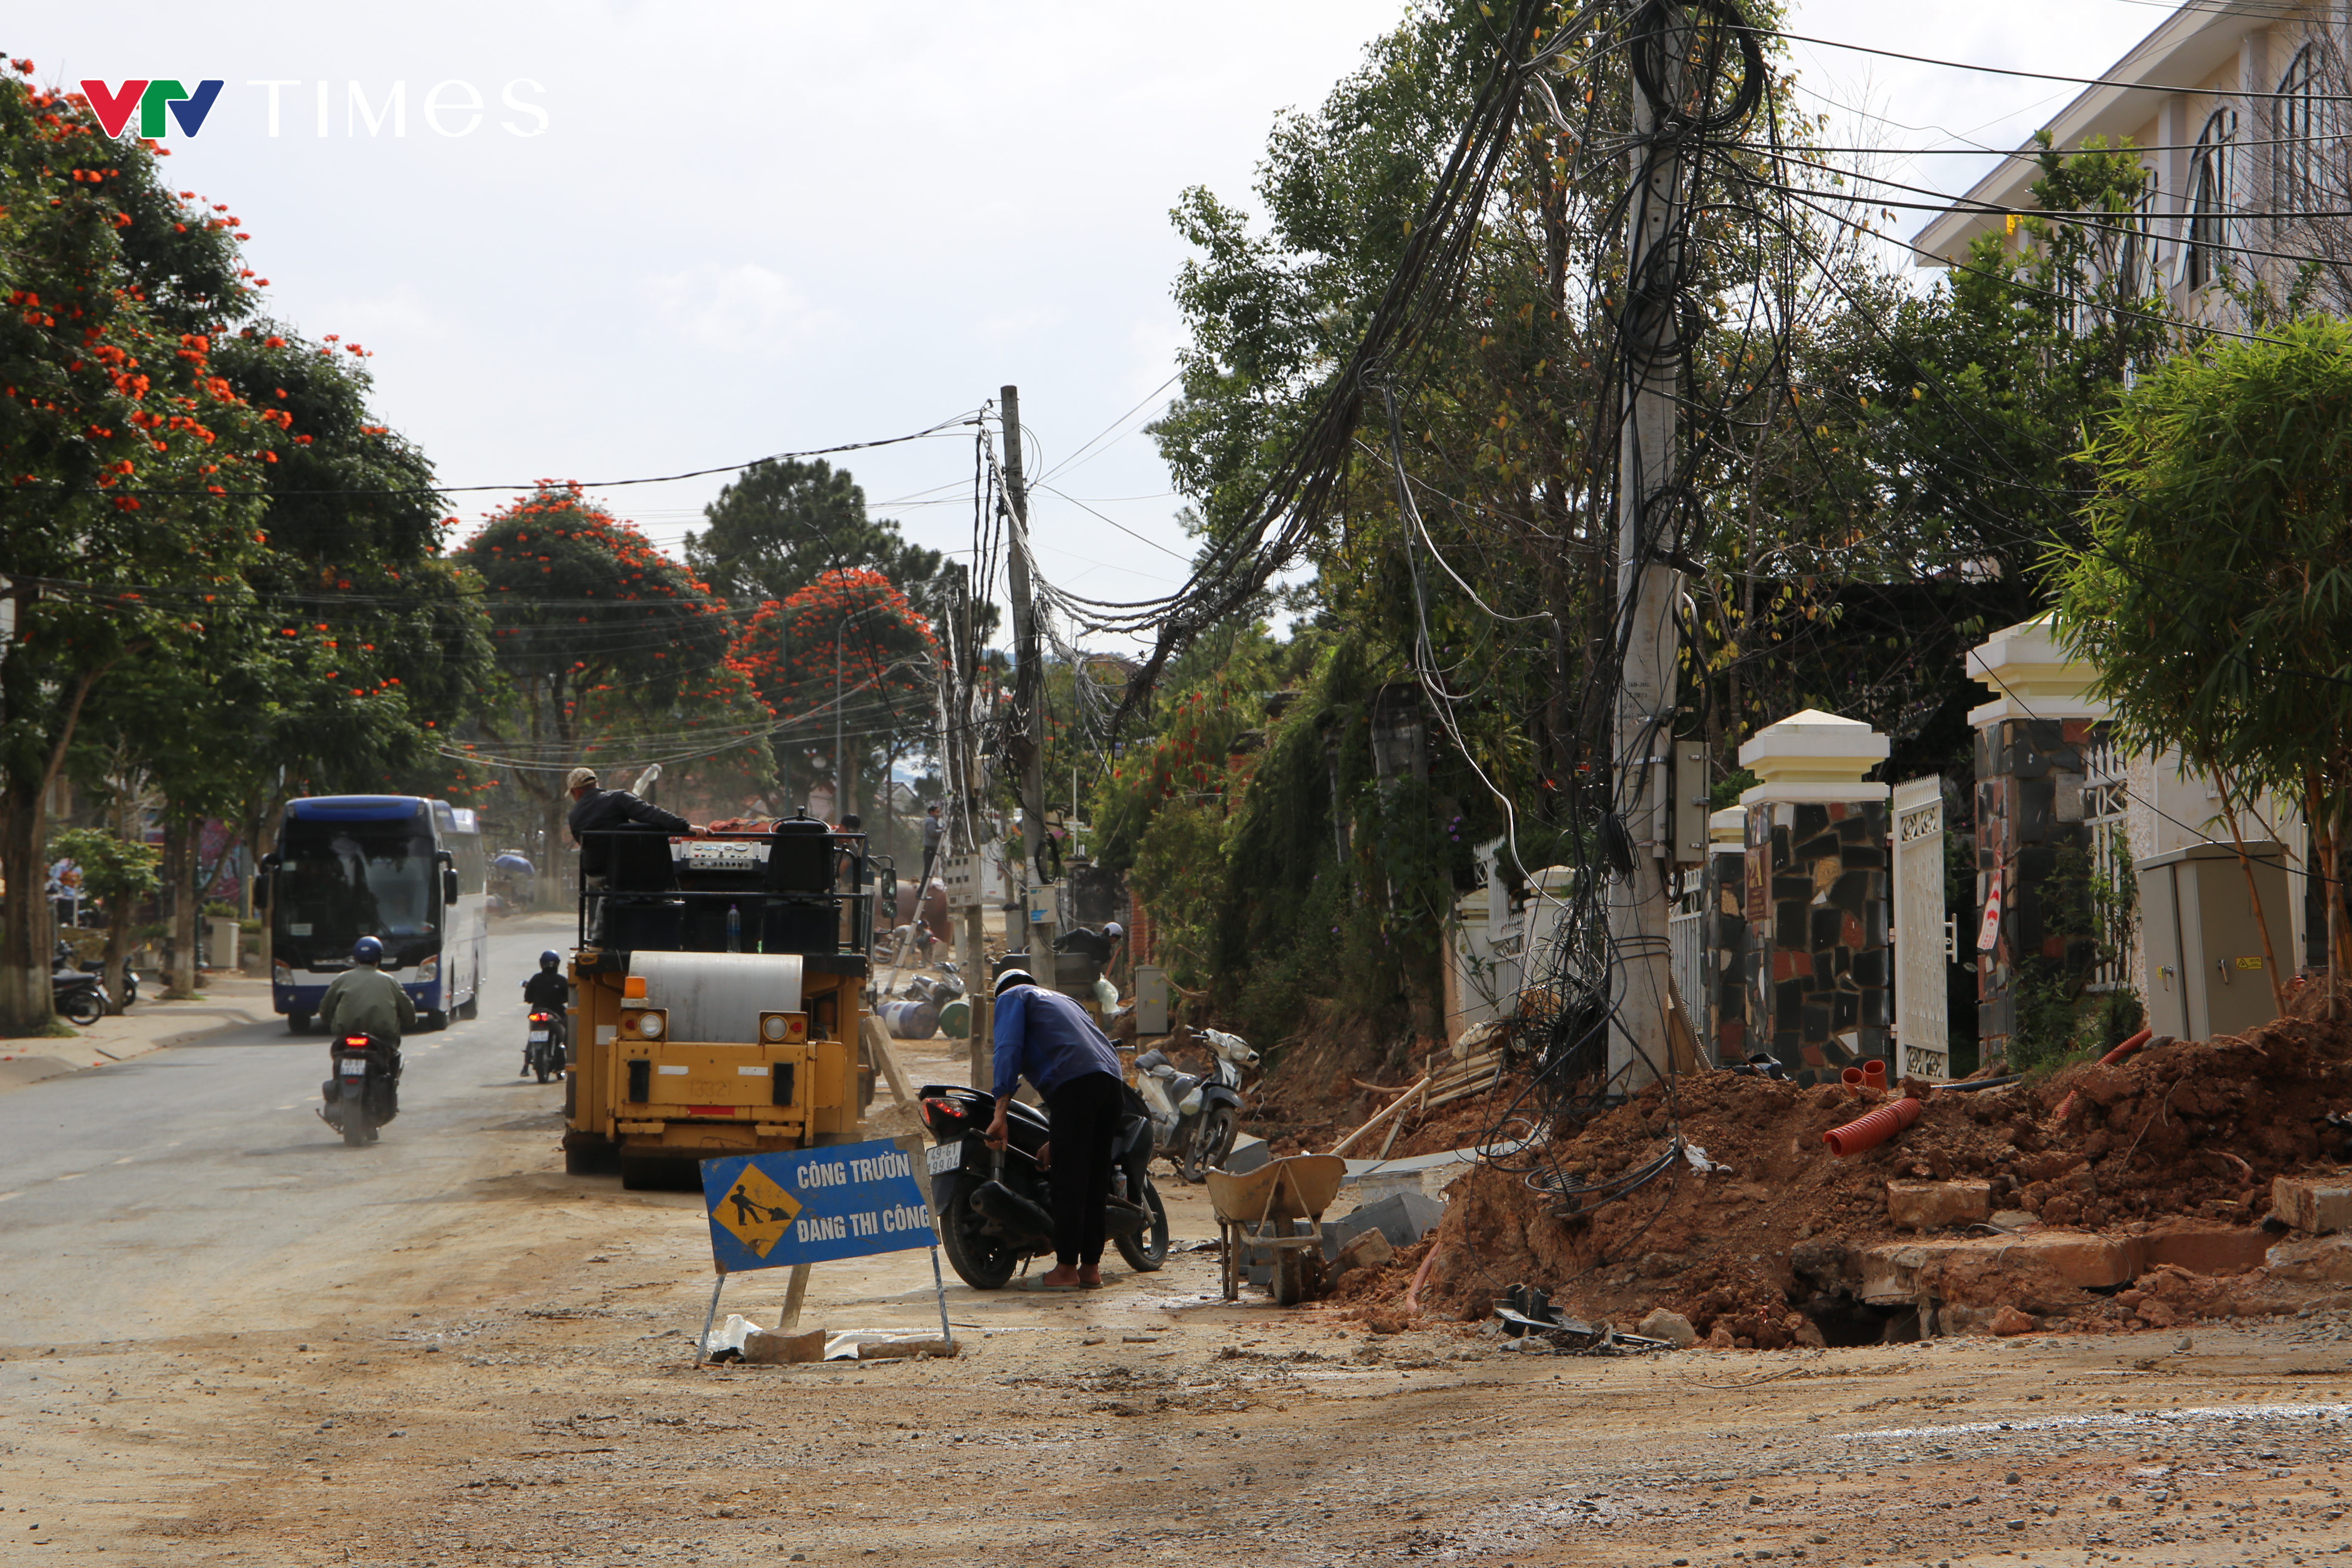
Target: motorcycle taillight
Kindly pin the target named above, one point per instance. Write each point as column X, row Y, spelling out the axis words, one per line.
column 358, row 1042
column 944, row 1107
column 540, row 1018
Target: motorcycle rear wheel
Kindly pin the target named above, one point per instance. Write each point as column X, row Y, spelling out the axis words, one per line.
column 1211, row 1140
column 1145, row 1252
column 356, row 1130
column 979, row 1261
column 84, row 1007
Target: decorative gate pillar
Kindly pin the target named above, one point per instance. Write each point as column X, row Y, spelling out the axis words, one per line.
column 2033, row 742
column 1816, row 895
column 1722, row 1010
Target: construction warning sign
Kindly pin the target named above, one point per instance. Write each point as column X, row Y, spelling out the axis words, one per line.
column 814, row 1205
column 755, row 1210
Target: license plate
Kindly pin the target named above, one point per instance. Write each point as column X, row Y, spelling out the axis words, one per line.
column 539, row 1036
column 355, row 1070
column 942, row 1158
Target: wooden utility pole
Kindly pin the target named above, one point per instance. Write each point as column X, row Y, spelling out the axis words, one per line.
column 1028, row 690
column 1641, row 970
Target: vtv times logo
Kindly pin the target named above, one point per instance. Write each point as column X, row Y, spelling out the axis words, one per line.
column 452, row 108
column 113, row 105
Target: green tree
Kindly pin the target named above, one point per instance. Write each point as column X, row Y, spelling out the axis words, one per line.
column 120, row 873
column 2213, row 592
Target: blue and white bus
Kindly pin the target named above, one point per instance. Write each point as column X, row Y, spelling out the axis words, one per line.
column 403, row 869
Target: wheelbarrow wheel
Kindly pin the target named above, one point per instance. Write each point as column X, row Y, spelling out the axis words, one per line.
column 1289, row 1282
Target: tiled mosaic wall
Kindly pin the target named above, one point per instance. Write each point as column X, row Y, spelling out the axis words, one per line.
column 1820, row 972
column 1724, row 963
column 2029, row 809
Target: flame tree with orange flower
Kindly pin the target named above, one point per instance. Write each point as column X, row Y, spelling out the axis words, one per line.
column 612, row 654
column 886, row 677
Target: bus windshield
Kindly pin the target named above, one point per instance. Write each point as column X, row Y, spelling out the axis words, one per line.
column 340, row 881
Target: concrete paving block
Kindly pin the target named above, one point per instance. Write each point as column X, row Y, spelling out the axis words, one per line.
column 1247, row 1154
column 2315, row 1204
column 1404, row 1217
column 1932, row 1206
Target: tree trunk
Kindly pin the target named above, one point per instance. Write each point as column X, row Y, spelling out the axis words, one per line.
column 27, row 1005
column 121, row 909
column 180, row 905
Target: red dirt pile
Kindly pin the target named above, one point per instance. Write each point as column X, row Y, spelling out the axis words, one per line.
column 1768, row 1247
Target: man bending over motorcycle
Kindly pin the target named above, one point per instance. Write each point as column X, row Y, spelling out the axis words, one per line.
column 365, row 1000
column 1048, row 1038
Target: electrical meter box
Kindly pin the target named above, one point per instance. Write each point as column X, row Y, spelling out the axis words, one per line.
column 1150, row 1000
column 2206, row 972
column 1687, row 821
column 972, row 882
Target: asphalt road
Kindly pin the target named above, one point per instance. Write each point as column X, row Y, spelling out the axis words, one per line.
column 197, row 1186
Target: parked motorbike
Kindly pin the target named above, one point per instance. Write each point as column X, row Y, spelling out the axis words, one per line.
column 1195, row 1119
column 64, row 959
column 995, row 1208
column 542, row 1050
column 363, row 1088
column 77, row 996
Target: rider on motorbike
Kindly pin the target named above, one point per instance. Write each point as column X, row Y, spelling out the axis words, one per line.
column 365, row 1000
column 548, row 992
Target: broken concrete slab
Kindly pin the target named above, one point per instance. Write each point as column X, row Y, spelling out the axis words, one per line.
column 2319, row 1204
column 1365, row 1250
column 1246, row 1155
column 1932, row 1206
column 2206, row 1248
column 1891, row 1271
column 762, row 1348
column 1403, row 1217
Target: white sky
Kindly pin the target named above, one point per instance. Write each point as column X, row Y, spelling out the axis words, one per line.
column 750, row 229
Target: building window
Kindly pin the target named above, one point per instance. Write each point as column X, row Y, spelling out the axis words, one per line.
column 2134, row 252
column 2212, row 186
column 2303, row 118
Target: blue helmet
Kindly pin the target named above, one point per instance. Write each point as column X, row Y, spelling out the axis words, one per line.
column 549, row 960
column 367, row 950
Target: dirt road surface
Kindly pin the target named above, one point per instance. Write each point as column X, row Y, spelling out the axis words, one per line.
column 229, row 1340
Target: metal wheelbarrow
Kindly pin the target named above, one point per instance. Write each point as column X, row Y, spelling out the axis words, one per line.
column 1276, row 1196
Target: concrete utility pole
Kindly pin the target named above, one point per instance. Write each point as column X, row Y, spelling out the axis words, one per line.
column 1028, row 687
column 1642, row 976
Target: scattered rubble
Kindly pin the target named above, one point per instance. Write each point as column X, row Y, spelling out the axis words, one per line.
column 2105, row 1197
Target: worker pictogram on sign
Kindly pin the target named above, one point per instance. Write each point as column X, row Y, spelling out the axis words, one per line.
column 755, row 1210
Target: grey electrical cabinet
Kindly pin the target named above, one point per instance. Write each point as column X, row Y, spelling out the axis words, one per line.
column 2206, row 973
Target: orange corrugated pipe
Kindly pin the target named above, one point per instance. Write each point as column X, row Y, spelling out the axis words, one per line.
column 1871, row 1130
column 2118, row 1054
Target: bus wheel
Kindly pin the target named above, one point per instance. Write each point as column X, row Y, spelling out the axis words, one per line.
column 435, row 1019
column 298, row 1022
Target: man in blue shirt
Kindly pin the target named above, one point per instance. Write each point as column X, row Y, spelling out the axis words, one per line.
column 1048, row 1038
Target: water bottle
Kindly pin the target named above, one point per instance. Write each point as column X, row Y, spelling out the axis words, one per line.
column 734, row 928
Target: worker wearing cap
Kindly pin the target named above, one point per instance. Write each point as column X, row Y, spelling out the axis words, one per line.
column 597, row 812
column 1048, row 1038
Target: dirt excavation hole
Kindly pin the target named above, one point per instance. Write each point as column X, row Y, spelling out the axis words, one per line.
column 1845, row 1322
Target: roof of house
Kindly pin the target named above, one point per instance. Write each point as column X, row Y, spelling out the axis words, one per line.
column 2185, row 48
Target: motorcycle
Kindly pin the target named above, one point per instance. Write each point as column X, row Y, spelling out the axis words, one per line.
column 542, row 1050
column 363, row 1088
column 63, row 961
column 79, row 995
column 1194, row 1120
column 993, row 1208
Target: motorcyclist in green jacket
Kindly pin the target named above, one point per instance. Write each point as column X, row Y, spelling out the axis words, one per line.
column 365, row 1000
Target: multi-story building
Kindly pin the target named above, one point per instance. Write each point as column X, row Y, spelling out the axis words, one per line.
column 2238, row 111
